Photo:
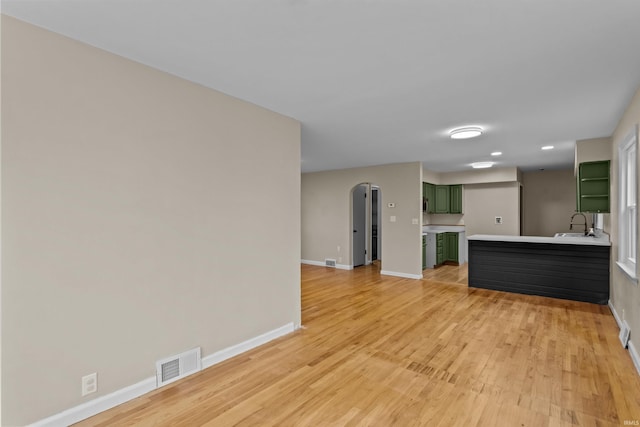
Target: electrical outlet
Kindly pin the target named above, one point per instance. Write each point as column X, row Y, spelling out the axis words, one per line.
column 498, row 220
column 89, row 383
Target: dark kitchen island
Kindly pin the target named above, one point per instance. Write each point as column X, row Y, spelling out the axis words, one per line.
column 575, row 268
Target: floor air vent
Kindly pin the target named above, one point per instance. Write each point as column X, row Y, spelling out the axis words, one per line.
column 330, row 262
column 179, row 366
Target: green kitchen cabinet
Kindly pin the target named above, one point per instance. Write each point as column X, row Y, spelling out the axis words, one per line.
column 440, row 248
column 429, row 196
column 451, row 247
column 424, row 252
column 455, row 199
column 593, row 187
column 442, row 199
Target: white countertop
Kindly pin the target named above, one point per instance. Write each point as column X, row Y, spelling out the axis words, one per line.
column 442, row 229
column 603, row 240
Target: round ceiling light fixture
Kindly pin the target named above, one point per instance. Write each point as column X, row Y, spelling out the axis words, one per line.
column 481, row 165
column 466, row 132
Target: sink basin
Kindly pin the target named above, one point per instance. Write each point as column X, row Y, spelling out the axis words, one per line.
column 570, row 235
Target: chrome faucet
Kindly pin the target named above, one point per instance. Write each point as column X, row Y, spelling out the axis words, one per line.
column 585, row 222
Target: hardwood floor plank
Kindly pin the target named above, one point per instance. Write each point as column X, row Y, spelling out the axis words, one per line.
column 388, row 351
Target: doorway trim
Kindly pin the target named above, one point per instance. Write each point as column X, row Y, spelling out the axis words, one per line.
column 368, row 223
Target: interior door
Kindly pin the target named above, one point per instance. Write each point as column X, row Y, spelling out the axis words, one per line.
column 359, row 225
column 375, row 221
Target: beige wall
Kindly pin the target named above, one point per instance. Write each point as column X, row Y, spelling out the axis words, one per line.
column 129, row 206
column 625, row 294
column 483, row 202
column 475, row 176
column 326, row 215
column 480, row 176
column 549, row 201
column 490, row 190
column 591, row 150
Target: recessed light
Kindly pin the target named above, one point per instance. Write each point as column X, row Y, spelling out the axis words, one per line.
column 481, row 165
column 548, row 147
column 466, row 132
column 497, row 153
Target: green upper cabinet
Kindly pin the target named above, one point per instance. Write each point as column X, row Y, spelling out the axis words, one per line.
column 442, row 199
column 455, row 199
column 429, row 195
column 593, row 187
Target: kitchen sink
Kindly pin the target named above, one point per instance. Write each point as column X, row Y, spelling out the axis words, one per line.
column 570, row 235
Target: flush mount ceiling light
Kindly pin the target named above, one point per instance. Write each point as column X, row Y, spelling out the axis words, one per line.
column 466, row 132
column 548, row 147
column 481, row 165
column 496, row 153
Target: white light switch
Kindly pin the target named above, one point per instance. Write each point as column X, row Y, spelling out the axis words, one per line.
column 392, row 218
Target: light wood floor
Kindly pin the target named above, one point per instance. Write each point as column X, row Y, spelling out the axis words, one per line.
column 384, row 351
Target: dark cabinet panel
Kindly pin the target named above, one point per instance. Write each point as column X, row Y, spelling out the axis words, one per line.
column 575, row 272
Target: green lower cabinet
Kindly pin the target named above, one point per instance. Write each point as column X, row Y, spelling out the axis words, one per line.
column 447, row 248
column 451, row 247
column 424, row 252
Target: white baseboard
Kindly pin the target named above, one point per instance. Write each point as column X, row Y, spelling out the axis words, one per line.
column 404, row 275
column 118, row 397
column 635, row 356
column 322, row 264
column 95, row 406
column 615, row 315
column 633, row 352
column 234, row 350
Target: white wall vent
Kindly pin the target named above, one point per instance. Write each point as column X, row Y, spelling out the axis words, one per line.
column 330, row 262
column 625, row 331
column 177, row 367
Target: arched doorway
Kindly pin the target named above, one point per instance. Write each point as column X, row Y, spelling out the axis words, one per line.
column 366, row 238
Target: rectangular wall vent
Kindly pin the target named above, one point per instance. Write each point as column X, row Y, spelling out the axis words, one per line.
column 176, row 367
column 624, row 334
column 330, row 262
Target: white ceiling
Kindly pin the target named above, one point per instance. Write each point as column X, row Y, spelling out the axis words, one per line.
column 383, row 81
